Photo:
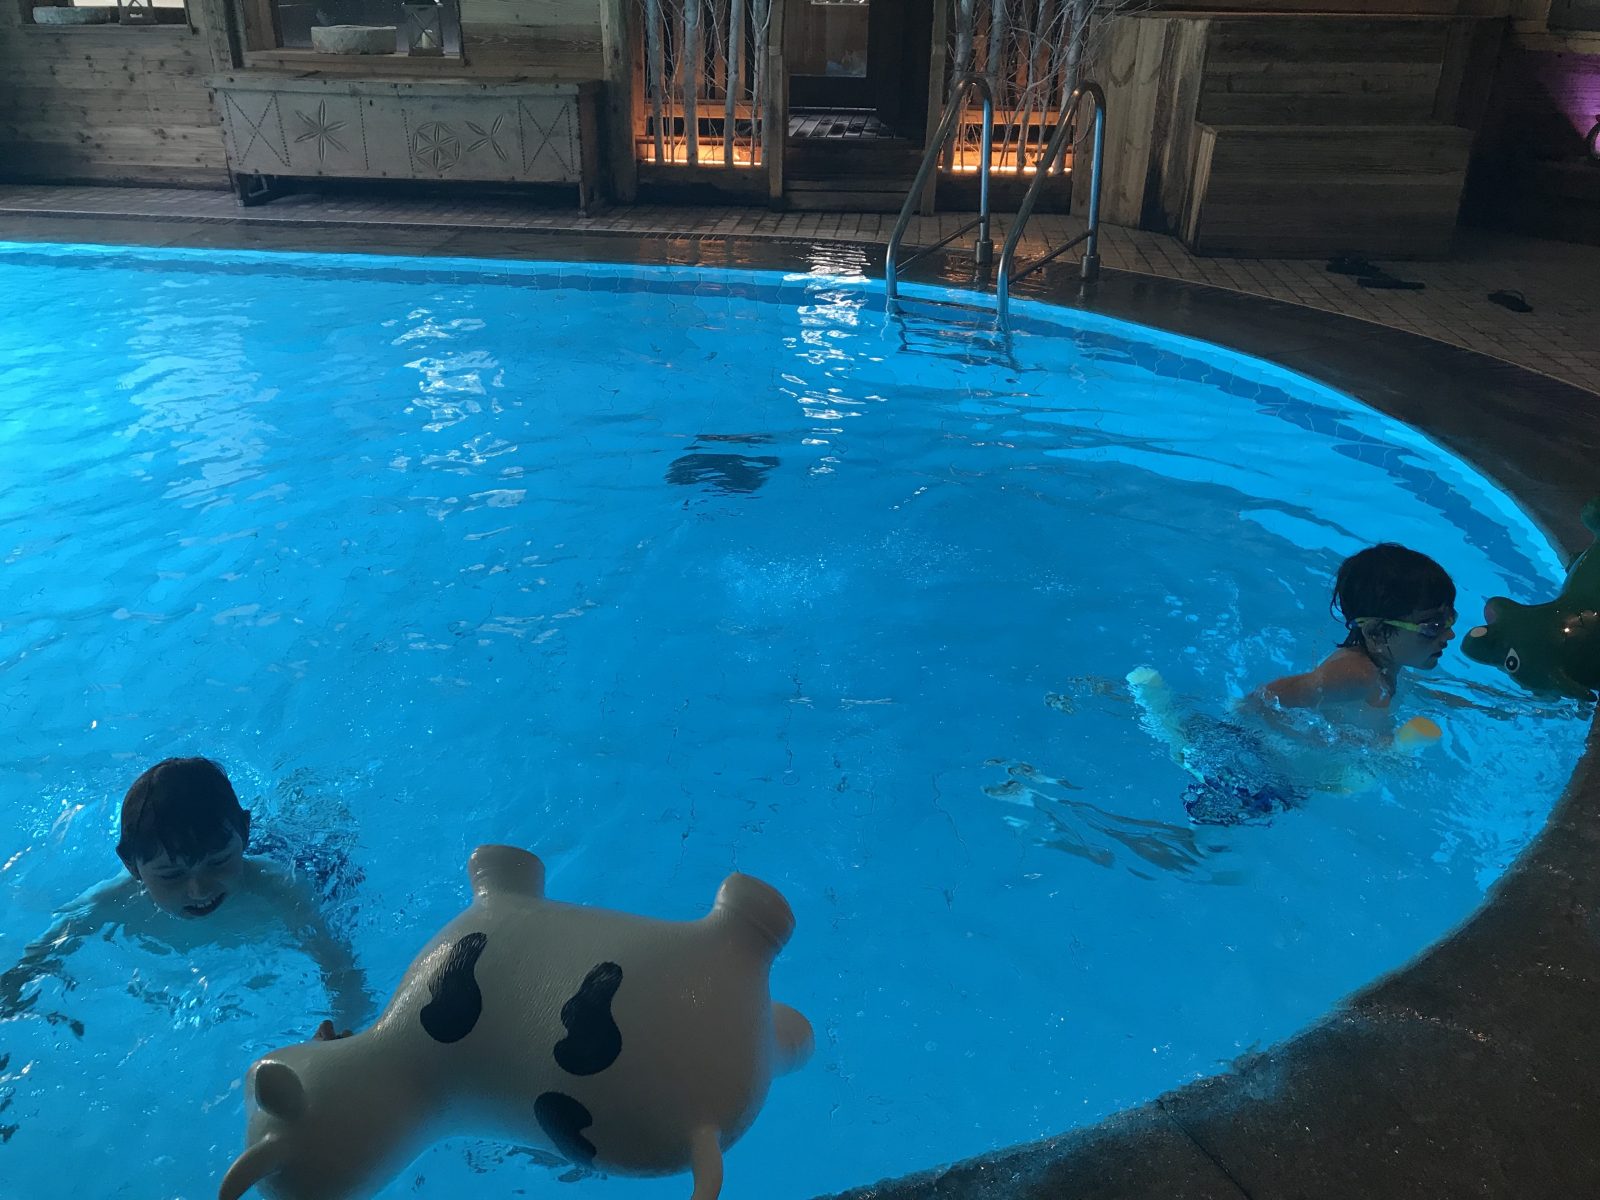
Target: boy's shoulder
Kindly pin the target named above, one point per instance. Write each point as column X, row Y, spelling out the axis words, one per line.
column 103, row 897
column 1348, row 675
column 280, row 885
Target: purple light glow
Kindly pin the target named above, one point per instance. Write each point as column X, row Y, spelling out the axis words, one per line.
column 1572, row 82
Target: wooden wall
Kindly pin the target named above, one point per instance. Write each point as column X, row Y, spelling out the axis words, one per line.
column 547, row 39
column 1164, row 74
column 1371, row 8
column 104, row 103
column 115, row 104
column 1287, row 134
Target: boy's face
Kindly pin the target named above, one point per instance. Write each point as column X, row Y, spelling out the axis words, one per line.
column 188, row 887
column 1420, row 649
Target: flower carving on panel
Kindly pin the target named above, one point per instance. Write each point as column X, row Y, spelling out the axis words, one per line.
column 321, row 129
column 487, row 137
column 435, row 144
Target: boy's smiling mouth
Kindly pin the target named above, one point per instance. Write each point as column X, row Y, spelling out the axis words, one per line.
column 206, row 909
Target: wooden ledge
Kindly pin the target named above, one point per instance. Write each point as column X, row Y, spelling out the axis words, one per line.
column 374, row 85
column 107, row 31
column 384, row 65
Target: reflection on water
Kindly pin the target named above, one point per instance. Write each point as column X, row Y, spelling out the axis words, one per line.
column 1061, row 821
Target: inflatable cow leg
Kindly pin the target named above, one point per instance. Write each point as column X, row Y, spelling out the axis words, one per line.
column 505, row 869
column 629, row 1045
column 705, row 1161
column 794, row 1037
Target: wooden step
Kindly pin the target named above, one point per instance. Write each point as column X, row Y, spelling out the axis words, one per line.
column 1297, row 70
column 1413, row 107
column 1307, row 191
column 819, row 155
column 1353, row 41
column 1277, row 151
column 821, row 200
column 854, row 183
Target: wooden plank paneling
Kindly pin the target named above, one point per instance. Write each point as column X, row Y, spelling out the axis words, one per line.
column 619, row 27
column 1351, row 41
column 115, row 151
column 566, row 53
column 1303, row 108
column 1366, row 8
column 109, row 103
column 186, row 106
column 126, row 103
column 1151, row 69
column 1273, row 151
column 351, row 66
column 1279, row 191
column 35, row 162
column 1467, row 69
column 532, row 14
column 540, row 39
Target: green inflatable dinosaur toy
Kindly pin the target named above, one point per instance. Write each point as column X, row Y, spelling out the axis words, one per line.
column 1552, row 647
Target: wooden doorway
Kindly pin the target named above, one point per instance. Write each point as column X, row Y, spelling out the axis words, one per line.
column 858, row 100
column 870, row 56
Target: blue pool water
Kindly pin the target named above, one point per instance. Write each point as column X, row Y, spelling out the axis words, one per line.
column 663, row 573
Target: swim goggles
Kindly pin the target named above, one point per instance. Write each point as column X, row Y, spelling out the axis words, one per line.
column 1428, row 629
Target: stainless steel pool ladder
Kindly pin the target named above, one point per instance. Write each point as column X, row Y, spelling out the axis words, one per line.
column 1090, row 269
column 983, row 249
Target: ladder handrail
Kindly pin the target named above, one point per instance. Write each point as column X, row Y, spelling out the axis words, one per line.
column 983, row 250
column 1090, row 270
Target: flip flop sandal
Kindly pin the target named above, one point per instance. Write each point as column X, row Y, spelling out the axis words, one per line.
column 1390, row 283
column 1515, row 301
column 1349, row 264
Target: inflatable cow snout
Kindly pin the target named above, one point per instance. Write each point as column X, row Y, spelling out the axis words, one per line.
column 626, row 1044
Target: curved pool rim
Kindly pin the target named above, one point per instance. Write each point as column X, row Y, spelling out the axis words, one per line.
column 1470, row 1070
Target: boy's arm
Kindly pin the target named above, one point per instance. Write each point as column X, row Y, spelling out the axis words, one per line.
column 347, row 995
column 46, row 955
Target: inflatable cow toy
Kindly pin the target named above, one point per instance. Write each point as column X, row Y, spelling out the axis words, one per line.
column 630, row 1045
column 1550, row 647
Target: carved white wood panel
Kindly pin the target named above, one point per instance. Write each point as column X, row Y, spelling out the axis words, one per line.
column 528, row 132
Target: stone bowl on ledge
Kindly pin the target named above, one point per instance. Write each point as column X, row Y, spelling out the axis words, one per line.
column 100, row 14
column 353, row 39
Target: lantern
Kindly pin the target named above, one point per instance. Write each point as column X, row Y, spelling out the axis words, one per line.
column 135, row 12
column 424, row 29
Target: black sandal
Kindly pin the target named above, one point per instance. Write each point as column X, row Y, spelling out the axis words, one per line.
column 1389, row 282
column 1350, row 264
column 1515, row 301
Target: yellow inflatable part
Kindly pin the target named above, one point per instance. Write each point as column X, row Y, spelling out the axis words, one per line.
column 1419, row 731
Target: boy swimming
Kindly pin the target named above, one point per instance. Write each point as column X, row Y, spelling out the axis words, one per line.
column 184, row 841
column 1398, row 611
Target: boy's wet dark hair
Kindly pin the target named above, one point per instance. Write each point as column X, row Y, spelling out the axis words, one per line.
column 183, row 807
column 1388, row 580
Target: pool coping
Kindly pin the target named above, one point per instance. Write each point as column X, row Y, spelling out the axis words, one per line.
column 1473, row 1069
